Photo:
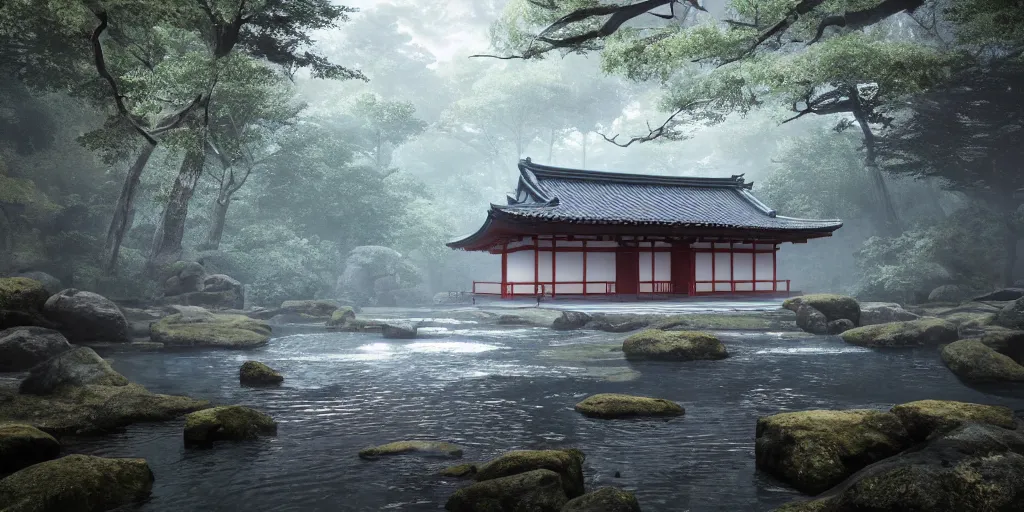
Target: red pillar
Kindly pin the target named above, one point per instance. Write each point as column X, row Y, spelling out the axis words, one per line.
column 554, row 266
column 504, row 269
column 584, row 268
column 775, row 277
column 536, row 259
column 732, row 268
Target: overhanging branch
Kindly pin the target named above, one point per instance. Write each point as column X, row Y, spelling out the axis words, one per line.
column 655, row 133
column 860, row 19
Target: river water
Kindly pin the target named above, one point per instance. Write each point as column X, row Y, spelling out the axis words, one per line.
column 493, row 389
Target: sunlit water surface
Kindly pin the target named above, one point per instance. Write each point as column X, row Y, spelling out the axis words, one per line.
column 493, row 389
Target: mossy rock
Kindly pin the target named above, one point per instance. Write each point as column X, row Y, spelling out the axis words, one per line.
column 22, row 294
column 226, row 423
column 313, row 309
column 815, row 450
column 673, row 346
column 974, row 361
column 255, row 373
column 341, row 316
column 91, row 409
column 539, row 490
column 459, row 471
column 970, row 320
column 1008, row 342
column 912, row 333
column 833, row 306
column 221, row 331
column 77, row 483
column 73, row 368
column 24, row 445
column 926, row 418
column 428, row 448
column 614, row 405
column 568, row 464
column 605, row 499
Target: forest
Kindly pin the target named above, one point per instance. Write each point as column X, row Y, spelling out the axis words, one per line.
column 269, row 139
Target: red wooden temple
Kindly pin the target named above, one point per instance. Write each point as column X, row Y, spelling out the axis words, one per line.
column 589, row 233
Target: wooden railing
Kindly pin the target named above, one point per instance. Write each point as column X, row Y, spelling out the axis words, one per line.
column 777, row 285
column 664, row 287
column 543, row 288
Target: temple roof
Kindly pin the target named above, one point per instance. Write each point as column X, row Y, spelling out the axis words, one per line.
column 558, row 195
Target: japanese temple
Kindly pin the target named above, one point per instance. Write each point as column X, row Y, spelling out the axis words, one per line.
column 571, row 232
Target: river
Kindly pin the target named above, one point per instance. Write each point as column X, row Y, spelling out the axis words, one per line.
column 493, row 389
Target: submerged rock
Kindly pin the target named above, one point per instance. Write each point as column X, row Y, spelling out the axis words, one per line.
column 926, row 418
column 459, row 471
column 255, row 373
column 570, row 320
column 84, row 317
column 567, row 464
column 614, row 405
column 226, row 423
column 398, row 330
column 815, row 450
column 21, row 348
column 975, row 467
column 872, row 313
column 77, row 483
column 673, row 346
column 77, row 367
column 532, row 491
column 913, row 333
column 605, row 499
column 834, row 307
column 214, row 330
column 974, row 361
column 24, row 445
column 428, row 448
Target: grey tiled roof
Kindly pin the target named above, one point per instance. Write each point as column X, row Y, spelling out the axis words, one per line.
column 590, row 197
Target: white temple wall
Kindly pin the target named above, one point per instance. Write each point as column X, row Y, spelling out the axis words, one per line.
column 600, row 267
column 654, row 266
column 520, row 269
column 765, row 265
column 702, row 271
column 743, row 270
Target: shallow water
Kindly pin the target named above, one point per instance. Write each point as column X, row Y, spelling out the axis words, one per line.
column 493, row 389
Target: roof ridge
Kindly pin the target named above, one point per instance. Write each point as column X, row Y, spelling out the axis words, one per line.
column 540, row 172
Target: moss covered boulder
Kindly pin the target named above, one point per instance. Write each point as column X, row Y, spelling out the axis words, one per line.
column 76, row 367
column 215, row 331
column 24, row 445
column 1009, row 342
column 834, row 307
column 22, row 294
column 1011, row 315
column 426, row 448
column 567, row 464
column 926, row 418
column 255, row 373
column 912, row 333
column 539, row 490
column 459, row 470
column 226, row 423
column 673, row 346
column 973, row 361
column 21, row 348
column 341, row 316
column 605, row 499
column 85, row 317
column 614, row 405
column 976, row 467
column 77, row 483
column 814, row 450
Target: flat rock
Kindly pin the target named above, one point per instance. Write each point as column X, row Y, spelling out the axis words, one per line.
column 912, row 333
column 77, row 483
column 76, row 367
column 605, row 499
column 614, row 405
column 85, row 316
column 426, row 448
column 226, row 423
column 21, row 348
column 673, row 346
column 926, row 418
column 215, row 331
column 531, row 491
column 815, row 450
column 974, row 361
column 24, row 445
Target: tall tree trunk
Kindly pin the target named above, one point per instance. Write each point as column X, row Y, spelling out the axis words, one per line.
column 167, row 246
column 584, row 165
column 124, row 211
column 220, row 215
column 890, row 223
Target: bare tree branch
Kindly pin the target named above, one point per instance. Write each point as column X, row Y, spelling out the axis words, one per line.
column 655, row 133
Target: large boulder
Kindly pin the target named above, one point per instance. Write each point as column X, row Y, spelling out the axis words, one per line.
column 51, row 284
column 226, row 423
column 568, row 464
column 1012, row 315
column 183, row 277
column 21, row 348
column 912, row 333
column 872, row 313
column 811, row 320
column 22, row 294
column 949, row 293
column 531, row 491
column 926, row 418
column 673, row 346
column 255, row 373
column 86, row 317
column 1008, row 342
column 24, row 445
column 76, row 367
column 374, row 272
column 341, row 316
column 398, row 330
column 570, row 320
column 975, row 467
column 210, row 330
column 815, row 450
column 832, row 306
column 614, row 405
column 427, row 448
column 605, row 499
column 77, row 483
column 974, row 361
